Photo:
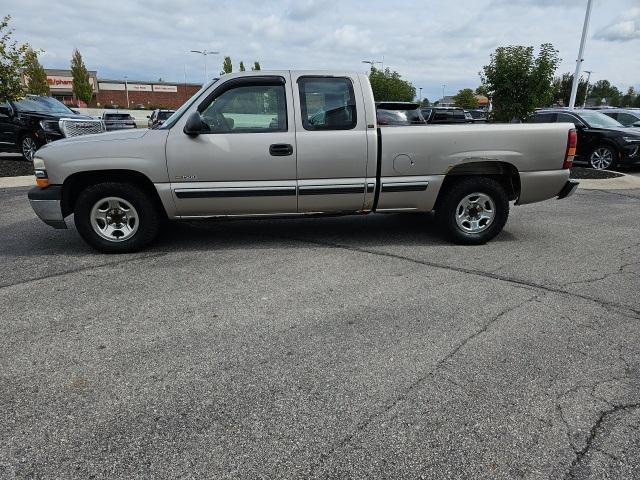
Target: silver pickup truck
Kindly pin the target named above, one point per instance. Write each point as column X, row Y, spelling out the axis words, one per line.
column 289, row 143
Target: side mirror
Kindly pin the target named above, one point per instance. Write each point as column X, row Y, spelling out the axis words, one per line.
column 148, row 116
column 6, row 111
column 194, row 124
column 636, row 124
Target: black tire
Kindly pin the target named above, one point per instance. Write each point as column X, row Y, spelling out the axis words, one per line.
column 447, row 210
column 27, row 137
column 597, row 160
column 148, row 217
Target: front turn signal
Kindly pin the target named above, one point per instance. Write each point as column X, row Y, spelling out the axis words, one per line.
column 42, row 179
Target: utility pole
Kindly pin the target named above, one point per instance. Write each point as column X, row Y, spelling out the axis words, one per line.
column 126, row 90
column 576, row 75
column 372, row 62
column 586, row 92
column 204, row 53
column 443, row 86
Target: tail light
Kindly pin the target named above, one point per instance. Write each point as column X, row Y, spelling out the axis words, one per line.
column 572, row 144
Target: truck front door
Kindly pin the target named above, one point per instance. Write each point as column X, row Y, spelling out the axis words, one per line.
column 333, row 144
column 244, row 162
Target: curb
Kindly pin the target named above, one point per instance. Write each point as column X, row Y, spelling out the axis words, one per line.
column 24, row 181
column 625, row 182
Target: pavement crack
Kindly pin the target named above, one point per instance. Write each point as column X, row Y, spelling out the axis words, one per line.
column 593, row 433
column 635, row 313
column 417, row 383
column 80, row 269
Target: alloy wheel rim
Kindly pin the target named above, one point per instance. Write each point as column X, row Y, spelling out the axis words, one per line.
column 601, row 158
column 28, row 148
column 475, row 213
column 114, row 219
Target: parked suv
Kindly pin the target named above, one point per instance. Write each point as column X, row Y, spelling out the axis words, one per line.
column 29, row 123
column 602, row 141
column 629, row 117
column 118, row 121
column 444, row 115
column 158, row 116
column 399, row 113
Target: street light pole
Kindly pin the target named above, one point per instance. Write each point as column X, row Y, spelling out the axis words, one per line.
column 204, row 53
column 420, row 97
column 443, row 85
column 586, row 92
column 372, row 62
column 126, row 90
column 576, row 75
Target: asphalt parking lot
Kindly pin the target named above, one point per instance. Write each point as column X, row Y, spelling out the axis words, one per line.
column 351, row 347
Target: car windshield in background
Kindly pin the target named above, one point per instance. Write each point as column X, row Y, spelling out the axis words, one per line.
column 599, row 120
column 163, row 115
column 41, row 104
column 399, row 117
column 118, row 116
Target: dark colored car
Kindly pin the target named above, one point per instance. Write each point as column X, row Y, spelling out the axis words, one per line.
column 602, row 141
column 479, row 116
column 118, row 121
column 32, row 121
column 398, row 113
column 446, row 115
column 158, row 116
column 629, row 117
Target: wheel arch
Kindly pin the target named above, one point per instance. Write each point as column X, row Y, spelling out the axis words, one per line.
column 75, row 183
column 503, row 172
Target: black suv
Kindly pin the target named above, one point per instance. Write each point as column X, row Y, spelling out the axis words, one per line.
column 117, row 121
column 32, row 121
column 398, row 113
column 446, row 115
column 157, row 117
column 602, row 141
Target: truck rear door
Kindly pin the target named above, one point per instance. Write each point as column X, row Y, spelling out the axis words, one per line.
column 333, row 144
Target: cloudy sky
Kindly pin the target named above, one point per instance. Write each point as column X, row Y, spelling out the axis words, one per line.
column 429, row 42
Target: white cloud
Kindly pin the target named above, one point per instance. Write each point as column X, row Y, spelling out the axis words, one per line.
column 624, row 29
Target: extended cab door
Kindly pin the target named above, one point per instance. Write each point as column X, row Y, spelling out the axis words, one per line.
column 333, row 145
column 245, row 161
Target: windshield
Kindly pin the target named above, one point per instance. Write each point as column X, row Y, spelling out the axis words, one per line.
column 399, row 117
column 41, row 104
column 117, row 116
column 599, row 120
column 178, row 113
column 163, row 115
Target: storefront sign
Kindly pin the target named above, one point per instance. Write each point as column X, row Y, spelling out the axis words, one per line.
column 165, row 88
column 58, row 82
column 138, row 87
column 111, row 86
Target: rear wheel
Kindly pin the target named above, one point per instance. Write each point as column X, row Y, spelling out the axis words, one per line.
column 602, row 157
column 473, row 210
column 28, row 147
column 116, row 217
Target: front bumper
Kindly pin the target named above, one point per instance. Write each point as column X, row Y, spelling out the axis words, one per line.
column 569, row 189
column 46, row 202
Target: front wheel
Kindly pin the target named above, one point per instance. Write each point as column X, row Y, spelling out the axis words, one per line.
column 28, row 147
column 116, row 217
column 602, row 157
column 474, row 210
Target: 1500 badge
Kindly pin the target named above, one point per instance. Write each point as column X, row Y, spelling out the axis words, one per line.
column 186, row 177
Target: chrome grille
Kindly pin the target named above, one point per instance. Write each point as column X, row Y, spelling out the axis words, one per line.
column 72, row 127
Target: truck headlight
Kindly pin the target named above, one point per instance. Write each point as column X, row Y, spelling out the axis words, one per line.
column 39, row 170
column 50, row 126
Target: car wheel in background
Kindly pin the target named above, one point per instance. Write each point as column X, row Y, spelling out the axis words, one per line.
column 602, row 157
column 28, row 147
column 473, row 210
column 116, row 217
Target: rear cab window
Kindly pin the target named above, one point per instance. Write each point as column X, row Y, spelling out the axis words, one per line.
column 327, row 103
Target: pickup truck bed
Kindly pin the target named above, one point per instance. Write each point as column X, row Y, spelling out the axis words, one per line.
column 296, row 143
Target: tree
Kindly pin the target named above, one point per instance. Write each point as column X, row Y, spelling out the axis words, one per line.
column 256, row 66
column 518, row 82
column 227, row 66
column 82, row 88
column 466, row 99
column 483, row 91
column 629, row 98
column 425, row 102
column 636, row 102
column 389, row 86
column 12, row 62
column 562, row 90
column 603, row 89
column 35, row 74
column 242, row 69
